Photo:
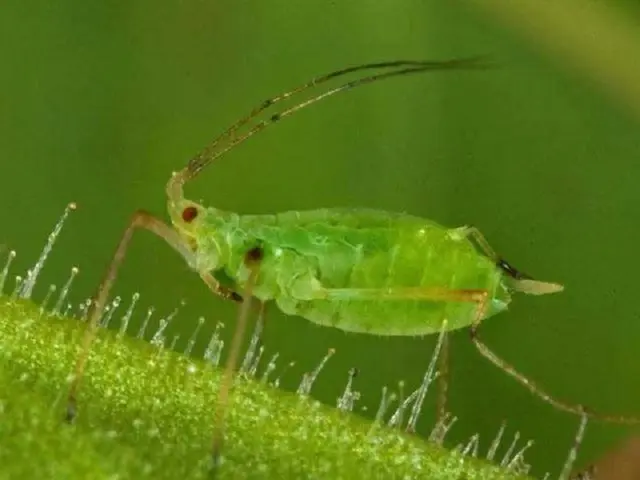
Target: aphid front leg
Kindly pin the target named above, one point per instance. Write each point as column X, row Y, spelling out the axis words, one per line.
column 140, row 219
column 144, row 220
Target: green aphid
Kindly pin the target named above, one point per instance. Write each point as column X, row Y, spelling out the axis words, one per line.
column 357, row 270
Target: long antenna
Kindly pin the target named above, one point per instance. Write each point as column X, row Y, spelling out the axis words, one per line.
column 229, row 138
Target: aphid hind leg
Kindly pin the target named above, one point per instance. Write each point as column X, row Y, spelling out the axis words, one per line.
column 480, row 297
column 253, row 259
column 434, row 294
column 418, row 293
column 534, row 388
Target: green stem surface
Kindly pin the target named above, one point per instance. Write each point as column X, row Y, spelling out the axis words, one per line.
column 145, row 412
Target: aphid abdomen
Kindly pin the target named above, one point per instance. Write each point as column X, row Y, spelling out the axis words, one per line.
column 417, row 256
column 348, row 249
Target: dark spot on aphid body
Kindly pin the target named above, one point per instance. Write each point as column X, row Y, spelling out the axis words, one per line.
column 254, row 255
column 189, row 214
column 511, row 271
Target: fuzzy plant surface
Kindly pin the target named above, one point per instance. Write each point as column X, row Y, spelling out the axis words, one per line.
column 147, row 412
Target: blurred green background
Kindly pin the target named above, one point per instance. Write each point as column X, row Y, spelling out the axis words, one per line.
column 99, row 102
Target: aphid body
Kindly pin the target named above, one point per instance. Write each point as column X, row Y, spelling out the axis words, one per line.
column 325, row 265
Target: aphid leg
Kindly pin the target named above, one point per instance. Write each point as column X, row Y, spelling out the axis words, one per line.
column 443, row 379
column 480, row 297
column 416, row 293
column 253, row 259
column 218, row 289
column 435, row 294
column 236, row 297
column 140, row 219
column 535, row 389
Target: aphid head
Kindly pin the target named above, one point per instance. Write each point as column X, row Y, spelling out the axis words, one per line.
column 193, row 224
column 186, row 217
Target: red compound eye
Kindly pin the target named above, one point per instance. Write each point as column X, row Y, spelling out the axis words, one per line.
column 189, row 214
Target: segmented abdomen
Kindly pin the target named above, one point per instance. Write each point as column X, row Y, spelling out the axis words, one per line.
column 367, row 249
